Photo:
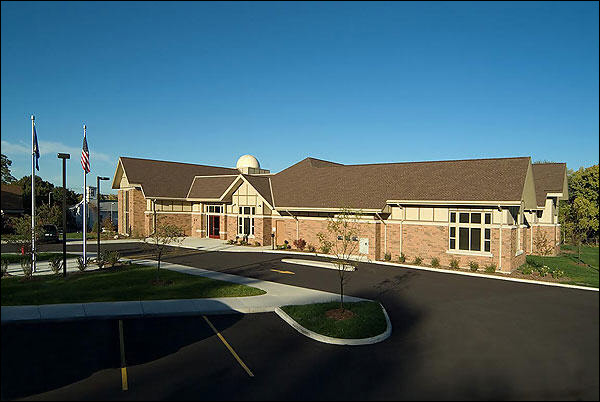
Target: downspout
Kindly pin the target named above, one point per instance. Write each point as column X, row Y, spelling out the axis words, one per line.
column 500, row 245
column 384, row 232
column 401, row 227
column 154, row 215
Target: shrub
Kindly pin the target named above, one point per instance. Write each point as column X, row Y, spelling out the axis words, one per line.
column 230, row 241
column 311, row 248
column 490, row 268
column 526, row 269
column 4, row 267
column 401, row 258
column 454, row 263
column 533, row 261
column 55, row 263
column 257, row 243
column 243, row 242
column 387, row 256
column 300, row 244
column 417, row 261
column 112, row 258
column 26, row 267
column 543, row 271
column 435, row 262
column 474, row 266
column 557, row 273
column 81, row 264
column 326, row 247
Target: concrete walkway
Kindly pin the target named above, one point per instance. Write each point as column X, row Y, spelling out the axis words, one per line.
column 277, row 295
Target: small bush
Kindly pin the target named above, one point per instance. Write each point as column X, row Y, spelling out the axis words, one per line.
column 387, row 256
column 401, row 258
column 417, row 261
column 4, row 267
column 257, row 243
column 543, row 271
column 55, row 263
column 311, row 248
column 526, row 269
column 454, row 263
column 557, row 273
column 435, row 262
column 300, row 244
column 81, row 263
column 533, row 261
column 26, row 267
column 490, row 268
column 230, row 241
column 473, row 266
column 112, row 258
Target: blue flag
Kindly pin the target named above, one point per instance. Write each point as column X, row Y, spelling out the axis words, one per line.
column 36, row 149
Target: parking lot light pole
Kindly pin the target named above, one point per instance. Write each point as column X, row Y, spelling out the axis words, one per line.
column 64, row 158
column 98, row 178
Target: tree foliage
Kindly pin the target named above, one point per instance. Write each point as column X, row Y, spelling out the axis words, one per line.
column 42, row 189
column 7, row 177
column 164, row 235
column 579, row 217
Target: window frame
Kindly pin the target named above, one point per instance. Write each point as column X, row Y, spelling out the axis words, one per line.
column 455, row 225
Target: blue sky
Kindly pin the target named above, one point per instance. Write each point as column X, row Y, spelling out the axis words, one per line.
column 349, row 82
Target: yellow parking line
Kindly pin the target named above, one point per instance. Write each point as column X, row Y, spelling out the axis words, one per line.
column 283, row 272
column 124, row 378
column 229, row 347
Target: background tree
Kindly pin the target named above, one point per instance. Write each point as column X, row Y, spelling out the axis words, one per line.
column 343, row 232
column 6, row 176
column 159, row 241
column 22, row 232
column 583, row 185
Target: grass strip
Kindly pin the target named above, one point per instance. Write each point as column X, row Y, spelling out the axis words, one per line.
column 124, row 283
column 368, row 319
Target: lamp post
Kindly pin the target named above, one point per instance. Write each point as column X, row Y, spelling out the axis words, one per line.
column 64, row 158
column 98, row 178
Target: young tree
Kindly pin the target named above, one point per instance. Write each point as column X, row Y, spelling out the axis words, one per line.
column 108, row 225
column 163, row 236
column 343, row 232
column 22, row 236
column 543, row 245
column 584, row 221
column 6, row 176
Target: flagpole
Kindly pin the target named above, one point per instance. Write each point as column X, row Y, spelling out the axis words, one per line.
column 33, row 259
column 84, row 207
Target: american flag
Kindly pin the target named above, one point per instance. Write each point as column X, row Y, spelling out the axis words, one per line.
column 85, row 156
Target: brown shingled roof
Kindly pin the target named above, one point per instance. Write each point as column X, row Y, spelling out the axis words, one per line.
column 305, row 184
column 167, row 179
column 262, row 185
column 210, row 187
column 11, row 197
column 548, row 178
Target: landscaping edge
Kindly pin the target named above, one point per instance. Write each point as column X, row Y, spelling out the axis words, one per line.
column 337, row 341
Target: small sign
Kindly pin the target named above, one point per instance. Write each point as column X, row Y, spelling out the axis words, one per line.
column 364, row 245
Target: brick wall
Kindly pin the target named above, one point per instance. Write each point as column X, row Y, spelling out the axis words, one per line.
column 183, row 221
column 198, row 226
column 552, row 233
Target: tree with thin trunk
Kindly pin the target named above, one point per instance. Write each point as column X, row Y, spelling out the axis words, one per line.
column 164, row 235
column 342, row 239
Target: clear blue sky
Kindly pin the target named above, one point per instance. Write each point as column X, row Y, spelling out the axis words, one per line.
column 349, row 82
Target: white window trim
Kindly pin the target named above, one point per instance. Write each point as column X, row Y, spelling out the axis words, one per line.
column 457, row 225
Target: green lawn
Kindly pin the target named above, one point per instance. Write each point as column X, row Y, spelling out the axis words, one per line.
column 131, row 282
column 575, row 274
column 368, row 319
column 15, row 258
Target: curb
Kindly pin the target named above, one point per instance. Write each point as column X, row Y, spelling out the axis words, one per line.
column 337, row 341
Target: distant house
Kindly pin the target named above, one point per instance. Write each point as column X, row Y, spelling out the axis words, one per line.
column 12, row 200
column 108, row 208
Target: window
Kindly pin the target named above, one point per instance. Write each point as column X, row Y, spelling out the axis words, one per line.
column 246, row 221
column 471, row 232
column 214, row 209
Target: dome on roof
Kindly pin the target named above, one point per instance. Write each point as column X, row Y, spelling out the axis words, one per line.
column 247, row 161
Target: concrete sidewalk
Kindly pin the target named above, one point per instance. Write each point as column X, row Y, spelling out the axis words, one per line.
column 277, row 295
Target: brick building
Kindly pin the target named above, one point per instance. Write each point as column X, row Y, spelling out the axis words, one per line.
column 484, row 210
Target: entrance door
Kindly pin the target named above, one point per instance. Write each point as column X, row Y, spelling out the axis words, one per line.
column 214, row 224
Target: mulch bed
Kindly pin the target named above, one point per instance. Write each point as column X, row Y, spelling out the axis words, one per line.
column 339, row 314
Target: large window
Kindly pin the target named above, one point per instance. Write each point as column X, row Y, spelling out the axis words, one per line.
column 246, row 221
column 470, row 231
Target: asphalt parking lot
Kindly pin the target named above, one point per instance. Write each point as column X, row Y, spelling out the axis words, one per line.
column 453, row 337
